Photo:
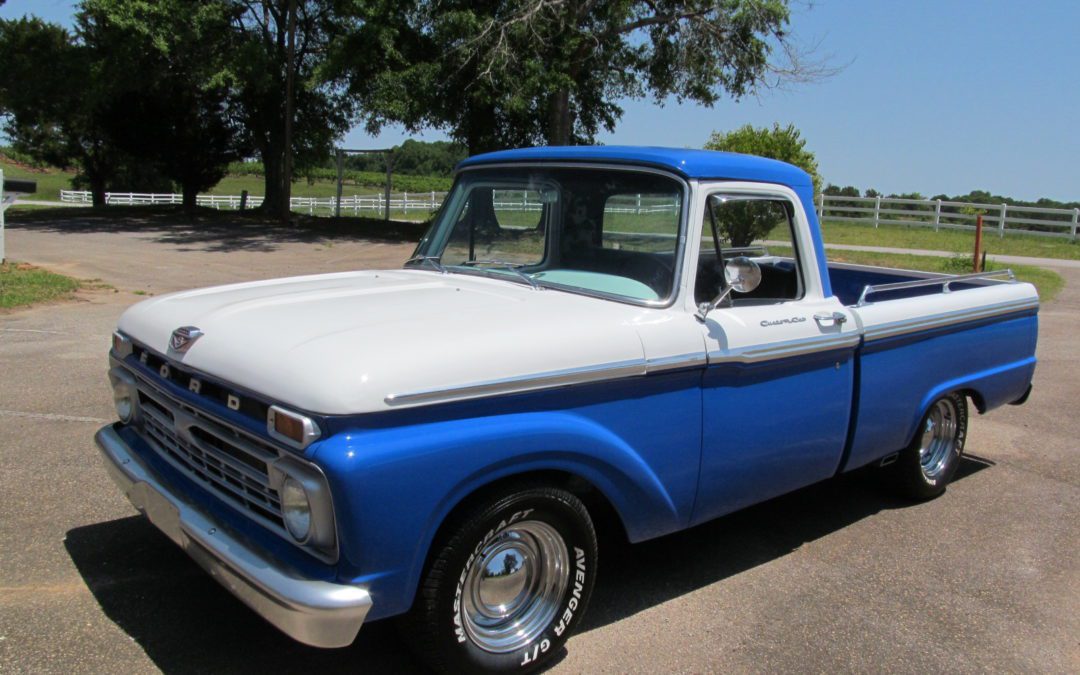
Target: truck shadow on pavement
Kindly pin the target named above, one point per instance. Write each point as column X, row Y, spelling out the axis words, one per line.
column 185, row 622
column 214, row 231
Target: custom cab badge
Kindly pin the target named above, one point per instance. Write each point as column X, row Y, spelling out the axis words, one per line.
column 781, row 322
column 183, row 337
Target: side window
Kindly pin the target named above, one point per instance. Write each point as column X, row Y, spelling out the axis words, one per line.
column 760, row 228
column 644, row 222
column 503, row 225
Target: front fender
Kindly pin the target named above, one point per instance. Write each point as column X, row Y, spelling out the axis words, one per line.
column 394, row 487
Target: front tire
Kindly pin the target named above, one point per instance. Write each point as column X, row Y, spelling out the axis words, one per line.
column 508, row 583
column 925, row 467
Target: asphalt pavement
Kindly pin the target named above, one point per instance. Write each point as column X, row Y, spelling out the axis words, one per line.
column 836, row 577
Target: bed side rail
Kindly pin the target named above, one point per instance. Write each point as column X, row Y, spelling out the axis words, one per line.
column 943, row 281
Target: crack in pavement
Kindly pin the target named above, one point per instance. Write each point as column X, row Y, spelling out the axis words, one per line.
column 53, row 417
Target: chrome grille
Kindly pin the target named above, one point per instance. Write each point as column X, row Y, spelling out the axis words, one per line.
column 230, row 464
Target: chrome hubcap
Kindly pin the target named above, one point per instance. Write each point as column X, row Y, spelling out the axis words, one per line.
column 512, row 590
column 938, row 439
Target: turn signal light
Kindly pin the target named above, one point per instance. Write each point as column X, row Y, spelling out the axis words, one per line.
column 291, row 428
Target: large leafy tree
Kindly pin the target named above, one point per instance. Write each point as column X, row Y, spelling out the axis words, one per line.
column 180, row 116
column 501, row 73
column 258, row 69
column 55, row 102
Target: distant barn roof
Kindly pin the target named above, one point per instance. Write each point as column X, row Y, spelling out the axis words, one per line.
column 688, row 163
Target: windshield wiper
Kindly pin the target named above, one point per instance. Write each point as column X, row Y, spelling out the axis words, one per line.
column 508, row 266
column 432, row 260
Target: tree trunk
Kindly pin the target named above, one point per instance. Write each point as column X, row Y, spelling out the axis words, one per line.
column 97, row 189
column 272, row 175
column 558, row 132
column 190, row 201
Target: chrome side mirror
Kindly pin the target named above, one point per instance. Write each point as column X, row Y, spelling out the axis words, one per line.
column 742, row 275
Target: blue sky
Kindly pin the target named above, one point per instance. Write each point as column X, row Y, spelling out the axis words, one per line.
column 944, row 96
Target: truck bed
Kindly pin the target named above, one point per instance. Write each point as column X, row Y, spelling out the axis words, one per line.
column 978, row 337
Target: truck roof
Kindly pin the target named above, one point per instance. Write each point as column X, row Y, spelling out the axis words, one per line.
column 706, row 164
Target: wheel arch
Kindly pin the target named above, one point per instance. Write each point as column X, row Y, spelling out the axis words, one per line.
column 608, row 518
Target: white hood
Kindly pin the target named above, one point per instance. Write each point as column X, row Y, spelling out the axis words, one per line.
column 353, row 342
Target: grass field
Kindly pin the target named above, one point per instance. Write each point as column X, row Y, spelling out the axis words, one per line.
column 1048, row 282
column 49, row 183
column 956, row 241
column 22, row 285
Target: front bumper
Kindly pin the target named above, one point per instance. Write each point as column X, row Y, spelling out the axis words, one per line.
column 317, row 613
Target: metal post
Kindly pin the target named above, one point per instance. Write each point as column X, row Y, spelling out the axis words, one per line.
column 1001, row 225
column 978, row 243
column 1075, row 220
column 937, row 215
column 877, row 210
column 340, row 176
column 3, row 207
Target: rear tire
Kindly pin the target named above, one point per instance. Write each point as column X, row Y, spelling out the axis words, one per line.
column 507, row 584
column 925, row 467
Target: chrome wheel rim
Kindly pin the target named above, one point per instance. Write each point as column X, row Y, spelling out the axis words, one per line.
column 938, row 439
column 512, row 590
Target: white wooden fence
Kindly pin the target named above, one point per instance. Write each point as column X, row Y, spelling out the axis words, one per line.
column 938, row 214
column 404, row 202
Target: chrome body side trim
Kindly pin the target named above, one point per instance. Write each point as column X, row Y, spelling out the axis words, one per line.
column 920, row 323
column 548, row 380
column 786, row 349
column 677, row 362
column 556, row 378
column 315, row 612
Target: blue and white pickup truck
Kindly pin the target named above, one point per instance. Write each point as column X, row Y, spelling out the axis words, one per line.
column 582, row 332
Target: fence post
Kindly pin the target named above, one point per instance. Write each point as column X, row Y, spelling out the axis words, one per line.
column 1075, row 220
column 1001, row 224
column 638, row 210
column 821, row 206
column 432, row 200
column 937, row 215
column 405, row 202
column 877, row 210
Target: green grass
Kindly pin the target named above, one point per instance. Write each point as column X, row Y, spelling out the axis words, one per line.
column 22, row 285
column 955, row 241
column 49, row 182
column 1048, row 282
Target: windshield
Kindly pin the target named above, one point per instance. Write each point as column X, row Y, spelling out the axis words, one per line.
column 600, row 231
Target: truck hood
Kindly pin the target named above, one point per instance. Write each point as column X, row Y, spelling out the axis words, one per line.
column 360, row 342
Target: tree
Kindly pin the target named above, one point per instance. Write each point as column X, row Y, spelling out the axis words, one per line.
column 501, row 73
column 256, row 72
column 745, row 223
column 180, row 118
column 54, row 106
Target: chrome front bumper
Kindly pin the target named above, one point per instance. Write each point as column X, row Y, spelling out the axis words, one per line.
column 314, row 612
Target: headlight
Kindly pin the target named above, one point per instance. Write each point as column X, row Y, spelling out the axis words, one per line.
column 124, row 395
column 296, row 509
column 125, row 408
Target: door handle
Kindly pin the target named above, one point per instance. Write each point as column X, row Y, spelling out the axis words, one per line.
column 837, row 318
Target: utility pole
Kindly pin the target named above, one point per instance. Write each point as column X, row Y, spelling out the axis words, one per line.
column 290, row 77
